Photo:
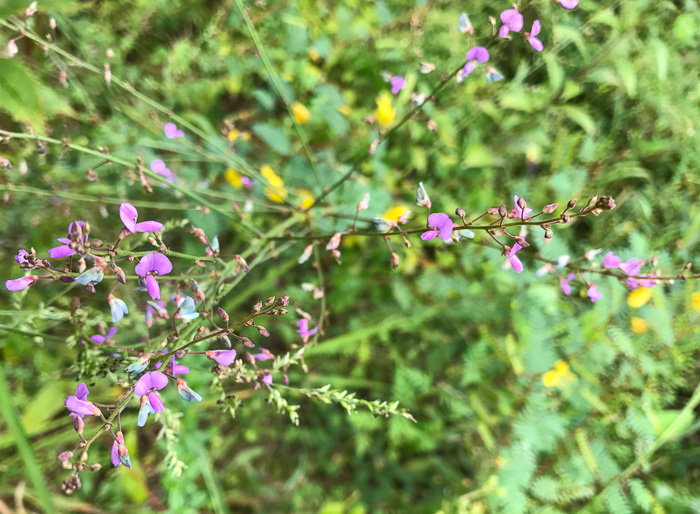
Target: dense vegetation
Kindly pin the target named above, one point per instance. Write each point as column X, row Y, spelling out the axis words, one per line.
column 525, row 399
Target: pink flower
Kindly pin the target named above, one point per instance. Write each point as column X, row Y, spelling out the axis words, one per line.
column 536, row 43
column 474, row 55
column 593, row 293
column 159, row 167
column 440, row 225
column 149, row 266
column 222, row 357
column 515, row 262
column 267, row 380
column 397, row 84
column 18, row 284
column 568, row 4
column 129, row 215
column 611, row 260
column 120, row 454
column 565, row 283
column 632, row 266
column 98, row 338
column 171, row 131
column 78, row 405
column 146, row 387
column 304, row 331
column 512, row 20
column 517, row 212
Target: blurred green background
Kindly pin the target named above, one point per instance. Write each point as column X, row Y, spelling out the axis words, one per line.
column 610, row 107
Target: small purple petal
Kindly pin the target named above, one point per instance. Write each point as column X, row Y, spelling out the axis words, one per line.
column 536, row 28
column 111, row 332
column 225, row 357
column 568, row 4
column 81, row 392
column 156, row 402
column 148, row 226
column 150, row 380
column 153, row 287
column 171, row 131
column 611, row 260
column 478, row 53
column 114, row 455
column 397, row 84
column 503, row 31
column 429, row 235
column 593, row 293
column 158, row 166
column 98, row 338
column 128, row 215
column 58, row 252
column 536, row 43
column 161, row 264
column 20, row 283
column 79, row 407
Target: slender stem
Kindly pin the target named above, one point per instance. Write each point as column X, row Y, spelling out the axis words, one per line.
column 278, row 88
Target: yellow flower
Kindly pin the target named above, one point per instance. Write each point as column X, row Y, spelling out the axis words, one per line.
column 385, row 113
column 639, row 297
column 307, row 198
column 343, row 109
column 233, row 135
column 393, row 213
column 301, row 113
column 696, row 301
column 559, row 376
column 639, row 326
column 234, row 178
column 276, row 192
column 314, row 55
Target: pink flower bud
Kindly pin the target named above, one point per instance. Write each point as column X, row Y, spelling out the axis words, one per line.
column 263, row 331
column 549, row 209
column 334, row 241
column 12, row 49
column 364, row 203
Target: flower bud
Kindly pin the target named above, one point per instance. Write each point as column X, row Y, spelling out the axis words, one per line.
column 257, row 307
column 493, row 211
column 52, row 23
column 263, row 331
column 394, row 260
column 270, row 301
column 502, row 211
column 364, row 203
column 222, row 314
column 549, row 209
column 565, row 218
column 306, row 254
column 247, row 342
column 66, row 279
column 64, row 456
column 571, row 204
column 242, row 263
column 592, row 200
column 460, row 212
column 121, row 277
column 334, row 242
column 283, row 301
column 521, row 203
column 548, row 234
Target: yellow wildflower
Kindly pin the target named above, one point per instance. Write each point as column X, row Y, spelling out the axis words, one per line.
column 245, row 135
column 276, row 192
column 393, row 213
column 639, row 326
column 639, row 297
column 559, row 375
column 307, row 198
column 234, row 178
column 314, row 54
column 385, row 113
column 233, row 135
column 301, row 113
column 343, row 109
column 696, row 301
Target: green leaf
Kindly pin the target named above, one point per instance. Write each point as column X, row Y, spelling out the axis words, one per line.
column 19, row 91
column 580, row 117
column 274, row 137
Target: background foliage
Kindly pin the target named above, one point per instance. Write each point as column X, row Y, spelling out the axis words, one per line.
column 611, row 106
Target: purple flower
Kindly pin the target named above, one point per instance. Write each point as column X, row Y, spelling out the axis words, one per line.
column 78, row 405
column 65, row 250
column 20, row 283
column 517, row 212
column 267, row 379
column 440, row 225
column 536, row 43
column 565, row 283
column 222, row 357
column 474, row 55
column 186, row 392
column 593, row 293
column 568, row 4
column 397, row 84
column 171, row 131
column 512, row 20
column 21, row 258
column 120, row 454
column 611, row 260
column 304, row 331
column 266, row 354
column 149, row 266
column 632, row 266
column 514, row 260
column 101, row 339
column 118, row 307
column 129, row 215
column 147, row 385
column 158, row 167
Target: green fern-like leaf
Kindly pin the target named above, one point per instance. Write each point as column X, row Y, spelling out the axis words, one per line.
column 615, row 501
column 642, row 497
